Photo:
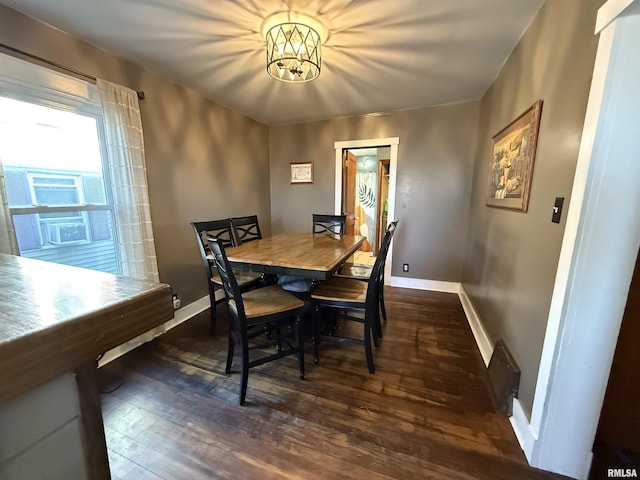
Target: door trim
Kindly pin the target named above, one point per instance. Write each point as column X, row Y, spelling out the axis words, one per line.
column 392, row 142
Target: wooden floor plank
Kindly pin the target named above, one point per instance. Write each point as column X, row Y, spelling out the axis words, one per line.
column 172, row 412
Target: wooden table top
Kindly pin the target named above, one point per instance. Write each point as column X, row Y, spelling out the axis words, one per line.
column 54, row 317
column 314, row 256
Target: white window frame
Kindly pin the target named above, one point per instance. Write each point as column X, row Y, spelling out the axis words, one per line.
column 26, row 82
column 75, row 185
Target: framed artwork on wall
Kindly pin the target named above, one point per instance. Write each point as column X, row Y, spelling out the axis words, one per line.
column 513, row 152
column 301, row 172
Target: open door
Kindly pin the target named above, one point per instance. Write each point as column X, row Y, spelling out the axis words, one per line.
column 362, row 196
column 620, row 417
column 349, row 191
column 383, row 201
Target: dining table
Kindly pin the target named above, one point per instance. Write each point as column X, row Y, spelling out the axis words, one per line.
column 306, row 255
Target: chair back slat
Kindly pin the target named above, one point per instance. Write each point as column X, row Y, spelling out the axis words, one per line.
column 214, row 228
column 246, row 229
column 333, row 224
column 220, row 229
column 229, row 282
column 391, row 230
column 377, row 272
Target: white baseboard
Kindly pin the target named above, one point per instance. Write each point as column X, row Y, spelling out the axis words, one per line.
column 181, row 315
column 477, row 327
column 419, row 284
column 522, row 428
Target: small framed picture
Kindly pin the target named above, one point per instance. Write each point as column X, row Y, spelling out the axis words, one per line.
column 301, row 172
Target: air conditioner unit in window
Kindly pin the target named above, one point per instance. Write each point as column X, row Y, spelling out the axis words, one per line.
column 60, row 233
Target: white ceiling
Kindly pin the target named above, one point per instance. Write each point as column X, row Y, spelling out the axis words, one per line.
column 380, row 55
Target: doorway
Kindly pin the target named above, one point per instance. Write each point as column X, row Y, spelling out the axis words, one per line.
column 365, row 185
column 365, row 190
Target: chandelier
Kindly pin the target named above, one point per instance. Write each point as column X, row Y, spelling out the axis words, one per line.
column 293, row 52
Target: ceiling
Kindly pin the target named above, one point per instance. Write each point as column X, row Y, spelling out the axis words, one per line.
column 379, row 56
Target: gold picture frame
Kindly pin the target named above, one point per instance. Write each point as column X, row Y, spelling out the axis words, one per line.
column 300, row 172
column 513, row 152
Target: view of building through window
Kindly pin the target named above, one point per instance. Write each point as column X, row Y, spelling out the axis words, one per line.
column 56, row 186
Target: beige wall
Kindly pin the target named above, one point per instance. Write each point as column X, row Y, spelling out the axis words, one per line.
column 512, row 257
column 204, row 161
column 433, row 180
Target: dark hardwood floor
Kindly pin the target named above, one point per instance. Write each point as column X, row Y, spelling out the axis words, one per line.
column 172, row 412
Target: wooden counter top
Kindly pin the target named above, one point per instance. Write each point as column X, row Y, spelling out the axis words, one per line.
column 55, row 317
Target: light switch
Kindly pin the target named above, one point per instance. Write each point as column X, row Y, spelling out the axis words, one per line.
column 557, row 210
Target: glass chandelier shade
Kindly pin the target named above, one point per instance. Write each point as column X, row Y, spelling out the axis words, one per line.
column 293, row 52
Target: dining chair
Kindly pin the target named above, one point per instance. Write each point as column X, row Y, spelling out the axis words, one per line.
column 323, row 223
column 246, row 229
column 352, row 300
column 363, row 272
column 250, row 312
column 220, row 229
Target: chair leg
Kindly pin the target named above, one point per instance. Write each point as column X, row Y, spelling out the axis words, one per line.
column 230, row 351
column 315, row 332
column 376, row 335
column 300, row 343
column 382, row 307
column 367, row 347
column 377, row 325
column 244, row 371
column 278, row 337
column 213, row 316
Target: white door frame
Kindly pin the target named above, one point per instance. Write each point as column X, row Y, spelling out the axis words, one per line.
column 393, row 169
column 598, row 254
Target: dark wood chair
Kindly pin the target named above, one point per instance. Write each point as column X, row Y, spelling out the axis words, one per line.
column 323, row 223
column 352, row 300
column 363, row 273
column 250, row 312
column 246, row 229
column 220, row 229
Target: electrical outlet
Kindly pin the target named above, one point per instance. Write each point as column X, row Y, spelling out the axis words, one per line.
column 405, row 267
column 176, row 302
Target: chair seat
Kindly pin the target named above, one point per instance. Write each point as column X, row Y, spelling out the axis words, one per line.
column 266, row 301
column 341, row 290
column 355, row 270
column 244, row 278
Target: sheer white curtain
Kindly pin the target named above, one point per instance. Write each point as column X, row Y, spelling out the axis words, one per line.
column 128, row 175
column 7, row 233
column 127, row 169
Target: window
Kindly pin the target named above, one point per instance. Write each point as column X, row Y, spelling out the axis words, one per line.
column 52, row 153
column 59, row 190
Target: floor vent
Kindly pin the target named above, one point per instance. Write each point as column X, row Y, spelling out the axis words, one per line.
column 504, row 378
